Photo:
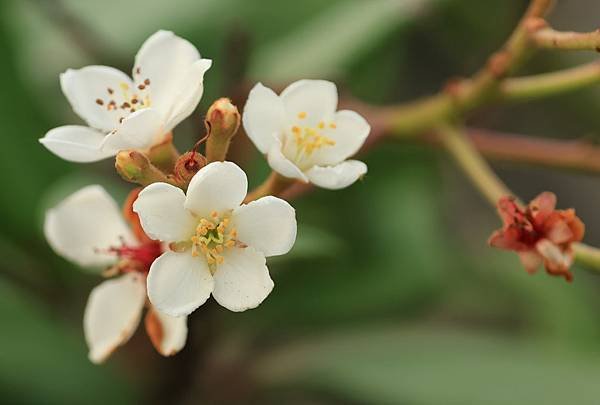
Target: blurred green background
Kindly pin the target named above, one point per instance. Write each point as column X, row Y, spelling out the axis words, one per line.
column 390, row 295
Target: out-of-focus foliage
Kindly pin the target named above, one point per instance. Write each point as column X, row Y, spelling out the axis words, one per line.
column 390, row 294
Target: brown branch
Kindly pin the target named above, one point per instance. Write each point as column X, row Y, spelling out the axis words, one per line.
column 566, row 154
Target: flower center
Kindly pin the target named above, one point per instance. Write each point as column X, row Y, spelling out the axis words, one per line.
column 308, row 139
column 213, row 236
column 136, row 258
column 126, row 100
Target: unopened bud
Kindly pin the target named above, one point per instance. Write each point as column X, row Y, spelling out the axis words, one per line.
column 187, row 166
column 135, row 167
column 222, row 122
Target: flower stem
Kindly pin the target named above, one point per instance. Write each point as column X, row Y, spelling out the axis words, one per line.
column 275, row 184
column 587, row 255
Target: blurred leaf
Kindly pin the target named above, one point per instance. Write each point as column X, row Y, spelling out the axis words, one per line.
column 313, row 243
column 339, row 34
column 391, row 365
column 41, row 361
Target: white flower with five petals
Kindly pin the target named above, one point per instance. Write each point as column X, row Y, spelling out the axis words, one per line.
column 88, row 229
column 218, row 246
column 302, row 134
column 125, row 113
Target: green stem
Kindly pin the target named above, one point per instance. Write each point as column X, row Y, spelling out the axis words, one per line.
column 549, row 84
column 472, row 163
column 412, row 119
column 552, row 39
column 587, row 255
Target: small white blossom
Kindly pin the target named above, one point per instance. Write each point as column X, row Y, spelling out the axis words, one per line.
column 219, row 246
column 302, row 134
column 88, row 229
column 124, row 113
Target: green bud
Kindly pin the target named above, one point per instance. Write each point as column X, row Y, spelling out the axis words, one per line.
column 135, row 167
column 222, row 122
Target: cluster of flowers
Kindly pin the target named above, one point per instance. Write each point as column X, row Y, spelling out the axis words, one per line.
column 192, row 232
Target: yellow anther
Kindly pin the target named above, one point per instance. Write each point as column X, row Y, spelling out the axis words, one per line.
column 332, row 125
column 302, row 115
column 212, row 238
column 309, row 139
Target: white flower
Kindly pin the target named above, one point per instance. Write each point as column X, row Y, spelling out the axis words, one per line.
column 219, row 246
column 126, row 114
column 303, row 135
column 88, row 229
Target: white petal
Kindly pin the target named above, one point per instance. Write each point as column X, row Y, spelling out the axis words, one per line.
column 264, row 117
column 76, row 143
column 178, row 283
column 338, row 176
column 164, row 59
column 84, row 225
column 350, row 132
column 242, row 281
column 317, row 98
column 161, row 212
column 84, row 86
column 218, row 186
column 190, row 96
column 283, row 165
column 267, row 224
column 139, row 130
column 167, row 333
column 112, row 314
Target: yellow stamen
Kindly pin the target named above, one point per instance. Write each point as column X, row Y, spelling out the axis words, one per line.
column 213, row 237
